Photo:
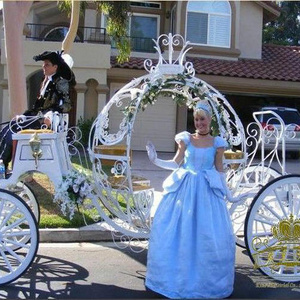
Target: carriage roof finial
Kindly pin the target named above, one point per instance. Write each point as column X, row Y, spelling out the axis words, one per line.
column 174, row 63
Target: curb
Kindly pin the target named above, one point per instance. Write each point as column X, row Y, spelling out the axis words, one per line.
column 71, row 235
column 97, row 232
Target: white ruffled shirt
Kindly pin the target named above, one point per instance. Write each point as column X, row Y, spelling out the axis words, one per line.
column 43, row 90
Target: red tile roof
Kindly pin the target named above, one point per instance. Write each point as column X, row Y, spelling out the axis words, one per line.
column 272, row 4
column 277, row 63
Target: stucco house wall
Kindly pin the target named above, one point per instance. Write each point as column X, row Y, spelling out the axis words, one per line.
column 250, row 29
column 98, row 74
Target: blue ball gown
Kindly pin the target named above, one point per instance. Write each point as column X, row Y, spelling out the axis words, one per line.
column 192, row 246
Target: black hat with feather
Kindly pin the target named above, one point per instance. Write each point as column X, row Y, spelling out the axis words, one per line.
column 59, row 59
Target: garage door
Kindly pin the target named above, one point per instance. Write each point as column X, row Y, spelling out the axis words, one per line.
column 157, row 124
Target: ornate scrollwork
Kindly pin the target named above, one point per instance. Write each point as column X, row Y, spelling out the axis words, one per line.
column 125, row 206
column 287, row 230
column 173, row 64
column 283, row 250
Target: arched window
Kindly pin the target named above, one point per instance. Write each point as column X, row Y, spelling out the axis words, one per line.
column 58, row 34
column 209, row 23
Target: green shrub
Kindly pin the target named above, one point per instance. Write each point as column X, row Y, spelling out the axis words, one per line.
column 85, row 127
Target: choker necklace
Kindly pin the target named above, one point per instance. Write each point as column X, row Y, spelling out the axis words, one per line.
column 203, row 134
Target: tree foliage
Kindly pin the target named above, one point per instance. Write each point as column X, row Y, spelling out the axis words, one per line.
column 117, row 24
column 117, row 13
column 286, row 29
column 66, row 5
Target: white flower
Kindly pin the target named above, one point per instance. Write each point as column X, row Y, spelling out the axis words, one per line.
column 75, row 188
column 72, row 191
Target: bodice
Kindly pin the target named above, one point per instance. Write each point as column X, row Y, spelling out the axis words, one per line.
column 198, row 159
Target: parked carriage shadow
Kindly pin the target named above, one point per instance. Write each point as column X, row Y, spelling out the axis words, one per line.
column 49, row 271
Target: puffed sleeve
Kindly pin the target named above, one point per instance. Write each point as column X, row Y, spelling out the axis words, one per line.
column 183, row 136
column 220, row 142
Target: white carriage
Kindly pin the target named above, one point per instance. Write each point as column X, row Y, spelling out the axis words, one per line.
column 266, row 221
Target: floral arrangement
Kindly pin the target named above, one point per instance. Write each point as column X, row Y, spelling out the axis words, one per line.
column 75, row 187
column 183, row 91
column 153, row 89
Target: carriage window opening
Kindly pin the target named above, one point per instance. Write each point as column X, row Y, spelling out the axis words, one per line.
column 209, row 23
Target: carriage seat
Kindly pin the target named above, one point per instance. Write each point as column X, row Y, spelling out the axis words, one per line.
column 109, row 155
column 54, row 154
column 32, row 131
column 139, row 183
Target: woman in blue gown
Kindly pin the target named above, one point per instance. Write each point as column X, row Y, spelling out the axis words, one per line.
column 192, row 246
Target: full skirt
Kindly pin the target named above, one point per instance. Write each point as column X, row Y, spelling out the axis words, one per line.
column 192, row 246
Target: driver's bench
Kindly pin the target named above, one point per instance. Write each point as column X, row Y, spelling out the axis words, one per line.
column 43, row 150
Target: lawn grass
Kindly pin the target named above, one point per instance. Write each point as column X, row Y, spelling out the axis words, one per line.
column 50, row 213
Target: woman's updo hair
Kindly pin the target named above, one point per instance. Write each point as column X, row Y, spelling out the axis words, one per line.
column 202, row 108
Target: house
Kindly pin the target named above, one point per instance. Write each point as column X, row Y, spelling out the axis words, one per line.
column 227, row 52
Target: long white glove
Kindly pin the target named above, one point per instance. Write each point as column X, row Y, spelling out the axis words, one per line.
column 165, row 164
column 48, row 119
column 228, row 192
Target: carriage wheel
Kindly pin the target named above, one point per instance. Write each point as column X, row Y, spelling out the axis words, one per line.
column 27, row 194
column 251, row 181
column 272, row 229
column 17, row 224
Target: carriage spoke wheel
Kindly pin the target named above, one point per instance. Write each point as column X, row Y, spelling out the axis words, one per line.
column 250, row 180
column 27, row 194
column 272, row 229
column 17, row 225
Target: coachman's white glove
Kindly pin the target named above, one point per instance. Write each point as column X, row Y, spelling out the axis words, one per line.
column 228, row 192
column 165, row 164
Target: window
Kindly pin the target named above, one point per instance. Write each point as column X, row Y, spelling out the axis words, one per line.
column 142, row 29
column 173, row 19
column 144, row 4
column 209, row 23
column 58, row 34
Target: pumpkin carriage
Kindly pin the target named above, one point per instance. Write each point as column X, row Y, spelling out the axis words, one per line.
column 266, row 220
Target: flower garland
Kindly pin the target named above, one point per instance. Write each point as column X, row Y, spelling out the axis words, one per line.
column 182, row 91
column 74, row 188
column 153, row 89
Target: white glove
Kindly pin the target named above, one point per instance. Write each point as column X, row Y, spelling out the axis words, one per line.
column 151, row 151
column 55, row 121
column 228, row 192
column 48, row 118
column 165, row 164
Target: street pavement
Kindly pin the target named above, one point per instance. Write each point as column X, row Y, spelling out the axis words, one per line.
column 104, row 271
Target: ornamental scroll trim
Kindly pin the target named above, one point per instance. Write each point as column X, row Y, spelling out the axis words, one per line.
column 174, row 63
column 287, row 235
